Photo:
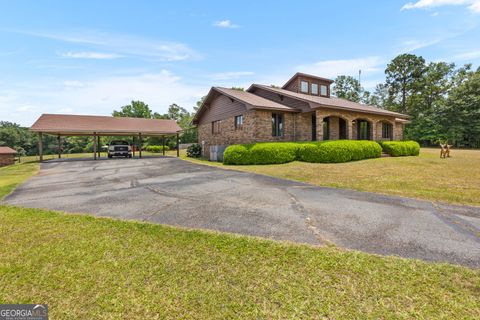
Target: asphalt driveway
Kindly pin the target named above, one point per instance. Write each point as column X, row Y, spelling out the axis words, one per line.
column 175, row 192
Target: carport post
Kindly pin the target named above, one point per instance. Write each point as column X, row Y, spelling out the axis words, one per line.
column 94, row 146
column 59, row 147
column 40, row 147
column 134, row 146
column 99, row 147
column 178, row 146
column 163, row 144
column 140, row 145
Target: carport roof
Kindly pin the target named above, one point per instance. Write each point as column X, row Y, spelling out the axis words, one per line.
column 67, row 124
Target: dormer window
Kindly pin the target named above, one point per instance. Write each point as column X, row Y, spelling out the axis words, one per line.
column 323, row 90
column 304, row 86
column 309, row 84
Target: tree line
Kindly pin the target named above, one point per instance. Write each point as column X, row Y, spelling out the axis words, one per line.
column 442, row 100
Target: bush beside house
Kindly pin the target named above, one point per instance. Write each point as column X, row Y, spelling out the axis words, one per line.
column 194, row 150
column 283, row 152
column 401, row 148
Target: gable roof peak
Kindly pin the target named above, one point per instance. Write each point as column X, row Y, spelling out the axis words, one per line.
column 306, row 75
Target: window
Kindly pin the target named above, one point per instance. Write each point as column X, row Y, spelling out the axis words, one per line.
column 323, row 90
column 387, row 130
column 277, row 124
column 215, row 127
column 304, row 86
column 363, row 130
column 239, row 122
column 326, row 129
column 314, row 88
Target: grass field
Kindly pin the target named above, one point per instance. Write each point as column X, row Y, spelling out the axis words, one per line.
column 454, row 180
column 96, row 268
column 92, row 268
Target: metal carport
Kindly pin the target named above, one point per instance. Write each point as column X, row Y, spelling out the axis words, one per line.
column 97, row 126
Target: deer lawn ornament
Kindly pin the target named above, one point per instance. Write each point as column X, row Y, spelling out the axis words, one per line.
column 445, row 150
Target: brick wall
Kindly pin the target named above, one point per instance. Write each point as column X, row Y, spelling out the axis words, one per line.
column 375, row 124
column 227, row 134
column 257, row 127
column 6, row 159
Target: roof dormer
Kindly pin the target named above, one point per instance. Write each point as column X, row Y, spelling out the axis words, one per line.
column 309, row 84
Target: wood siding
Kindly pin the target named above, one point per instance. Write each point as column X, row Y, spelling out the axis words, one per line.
column 222, row 107
column 295, row 85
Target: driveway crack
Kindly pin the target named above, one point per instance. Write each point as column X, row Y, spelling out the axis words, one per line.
column 298, row 207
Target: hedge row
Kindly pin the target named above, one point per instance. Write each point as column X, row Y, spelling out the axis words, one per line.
column 401, row 148
column 156, row 149
column 283, row 152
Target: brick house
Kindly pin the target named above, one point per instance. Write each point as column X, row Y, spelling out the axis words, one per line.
column 7, row 156
column 302, row 110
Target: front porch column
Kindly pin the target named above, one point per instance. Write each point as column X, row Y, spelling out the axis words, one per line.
column 373, row 131
column 349, row 130
column 320, row 117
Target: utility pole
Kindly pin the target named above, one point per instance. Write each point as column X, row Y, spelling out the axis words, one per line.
column 360, row 77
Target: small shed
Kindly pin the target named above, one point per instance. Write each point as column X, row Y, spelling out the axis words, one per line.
column 7, row 156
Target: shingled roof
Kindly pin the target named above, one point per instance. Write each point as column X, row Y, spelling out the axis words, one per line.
column 331, row 102
column 64, row 124
column 7, row 150
column 252, row 101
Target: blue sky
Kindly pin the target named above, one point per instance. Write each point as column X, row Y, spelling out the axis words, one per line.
column 90, row 57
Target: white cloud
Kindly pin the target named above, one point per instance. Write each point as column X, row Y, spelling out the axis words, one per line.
column 333, row 68
column 231, row 75
column 90, row 55
column 472, row 5
column 226, row 24
column 474, row 54
column 123, row 45
column 413, row 44
column 97, row 96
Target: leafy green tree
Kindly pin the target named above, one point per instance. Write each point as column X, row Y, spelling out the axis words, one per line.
column 460, row 117
column 347, row 87
column 199, row 103
column 137, row 109
column 379, row 98
column 404, row 75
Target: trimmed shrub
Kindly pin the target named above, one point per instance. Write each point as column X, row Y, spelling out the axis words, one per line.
column 401, row 148
column 194, row 150
column 283, row 152
column 261, row 153
column 339, row 151
column 156, row 149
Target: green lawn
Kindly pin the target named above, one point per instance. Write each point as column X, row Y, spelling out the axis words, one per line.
column 90, row 268
column 97, row 268
column 13, row 175
column 454, row 180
